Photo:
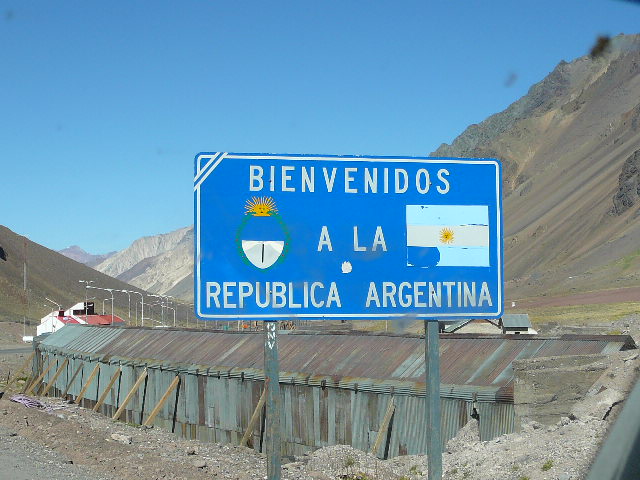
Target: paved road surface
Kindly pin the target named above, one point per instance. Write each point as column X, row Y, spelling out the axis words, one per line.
column 7, row 351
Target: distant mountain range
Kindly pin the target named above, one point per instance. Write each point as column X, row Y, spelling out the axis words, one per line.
column 158, row 263
column 571, row 160
column 79, row 255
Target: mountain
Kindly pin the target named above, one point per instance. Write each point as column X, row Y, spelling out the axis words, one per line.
column 49, row 275
column 159, row 263
column 570, row 152
column 571, row 160
column 79, row 255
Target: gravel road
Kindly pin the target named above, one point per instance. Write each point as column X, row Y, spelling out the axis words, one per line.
column 20, row 459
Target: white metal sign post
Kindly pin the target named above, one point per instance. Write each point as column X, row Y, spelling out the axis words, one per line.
column 345, row 237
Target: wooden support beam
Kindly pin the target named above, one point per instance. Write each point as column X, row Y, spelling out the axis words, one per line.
column 164, row 398
column 106, row 391
column 30, row 381
column 66, row 390
column 55, row 377
column 129, row 396
column 86, row 385
column 254, row 419
column 22, row 368
column 27, row 383
column 29, row 390
column 382, row 433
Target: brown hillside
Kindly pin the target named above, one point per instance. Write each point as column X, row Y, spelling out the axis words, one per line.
column 568, row 153
column 49, row 274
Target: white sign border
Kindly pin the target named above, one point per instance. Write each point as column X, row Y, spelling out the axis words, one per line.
column 215, row 158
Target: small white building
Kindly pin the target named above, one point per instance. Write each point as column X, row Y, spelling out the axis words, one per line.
column 79, row 313
column 54, row 321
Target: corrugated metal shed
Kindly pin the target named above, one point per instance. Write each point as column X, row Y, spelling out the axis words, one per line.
column 516, row 320
column 335, row 388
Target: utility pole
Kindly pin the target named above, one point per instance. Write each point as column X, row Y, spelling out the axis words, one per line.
column 26, row 295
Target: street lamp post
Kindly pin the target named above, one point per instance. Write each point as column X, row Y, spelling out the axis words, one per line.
column 151, row 305
column 141, row 301
column 128, row 295
column 110, row 290
column 86, row 298
column 162, row 305
column 59, row 307
column 188, row 313
column 174, row 315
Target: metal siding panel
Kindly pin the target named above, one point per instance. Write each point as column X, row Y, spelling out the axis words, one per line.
column 309, row 416
column 223, row 400
column 474, row 367
column 286, row 425
column 331, row 416
column 495, row 419
column 152, row 398
column 315, row 440
column 210, row 418
column 190, row 402
column 325, row 420
column 474, row 361
column 73, row 365
column 92, row 391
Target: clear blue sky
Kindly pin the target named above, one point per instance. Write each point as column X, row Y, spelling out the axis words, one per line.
column 103, row 105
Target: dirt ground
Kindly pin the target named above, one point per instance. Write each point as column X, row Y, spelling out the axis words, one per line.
column 68, row 441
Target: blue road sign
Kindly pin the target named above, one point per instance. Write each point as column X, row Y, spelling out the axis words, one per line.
column 347, row 237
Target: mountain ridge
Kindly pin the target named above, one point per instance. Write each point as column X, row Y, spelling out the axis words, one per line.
column 156, row 263
column 75, row 252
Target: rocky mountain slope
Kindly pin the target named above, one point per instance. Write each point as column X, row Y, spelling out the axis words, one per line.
column 570, row 151
column 571, row 155
column 78, row 254
column 158, row 263
column 49, row 275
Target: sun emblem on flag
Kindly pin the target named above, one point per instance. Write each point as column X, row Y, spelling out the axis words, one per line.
column 262, row 238
column 261, row 206
column 446, row 236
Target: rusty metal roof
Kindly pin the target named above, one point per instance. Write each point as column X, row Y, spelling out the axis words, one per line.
column 471, row 365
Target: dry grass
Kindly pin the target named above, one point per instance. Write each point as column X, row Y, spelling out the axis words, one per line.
column 582, row 314
column 404, row 325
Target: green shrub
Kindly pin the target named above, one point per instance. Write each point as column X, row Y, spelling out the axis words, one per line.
column 414, row 470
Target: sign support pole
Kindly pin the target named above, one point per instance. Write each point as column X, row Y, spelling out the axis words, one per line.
column 272, row 388
column 432, row 370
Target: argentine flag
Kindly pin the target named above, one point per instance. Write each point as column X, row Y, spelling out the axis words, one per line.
column 447, row 236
